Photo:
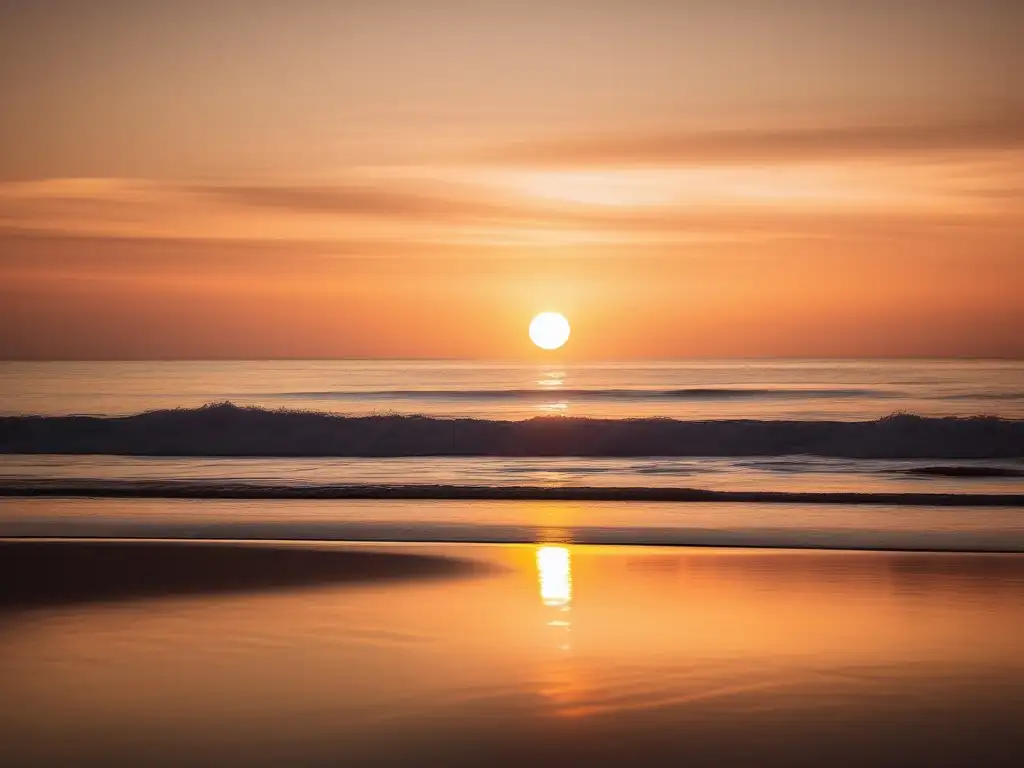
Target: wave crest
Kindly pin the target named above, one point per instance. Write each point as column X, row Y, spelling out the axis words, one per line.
column 224, row 429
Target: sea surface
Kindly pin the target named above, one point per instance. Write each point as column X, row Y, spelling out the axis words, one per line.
column 738, row 395
column 846, row 390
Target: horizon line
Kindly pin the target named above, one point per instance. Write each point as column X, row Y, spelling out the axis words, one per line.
column 517, row 360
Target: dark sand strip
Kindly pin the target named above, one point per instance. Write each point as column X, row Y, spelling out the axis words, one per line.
column 967, row 471
column 190, row 490
column 56, row 572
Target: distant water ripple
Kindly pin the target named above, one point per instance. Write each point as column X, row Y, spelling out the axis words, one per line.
column 689, row 393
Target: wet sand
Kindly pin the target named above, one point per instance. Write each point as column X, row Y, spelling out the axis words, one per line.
column 57, row 572
column 174, row 653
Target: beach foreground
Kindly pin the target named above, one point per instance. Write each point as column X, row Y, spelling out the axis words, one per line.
column 374, row 654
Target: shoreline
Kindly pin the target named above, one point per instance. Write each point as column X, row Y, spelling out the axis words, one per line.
column 300, row 544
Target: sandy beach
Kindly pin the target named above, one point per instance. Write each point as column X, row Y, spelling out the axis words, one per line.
column 170, row 652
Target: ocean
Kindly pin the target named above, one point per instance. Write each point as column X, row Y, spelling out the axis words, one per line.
column 790, row 432
column 809, row 390
column 450, row 563
column 780, row 425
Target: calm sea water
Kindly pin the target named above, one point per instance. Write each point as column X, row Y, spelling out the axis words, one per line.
column 761, row 390
column 778, row 389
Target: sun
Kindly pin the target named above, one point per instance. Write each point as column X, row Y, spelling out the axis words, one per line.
column 549, row 330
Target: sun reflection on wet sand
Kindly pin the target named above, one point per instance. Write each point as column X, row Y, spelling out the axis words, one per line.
column 554, row 573
column 559, row 679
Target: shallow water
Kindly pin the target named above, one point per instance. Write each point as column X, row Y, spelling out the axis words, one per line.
column 842, row 526
column 565, row 654
column 773, row 473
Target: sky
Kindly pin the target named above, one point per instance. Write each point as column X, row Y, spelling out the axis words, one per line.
column 398, row 178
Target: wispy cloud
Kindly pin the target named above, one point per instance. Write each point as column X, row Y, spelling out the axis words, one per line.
column 359, row 200
column 493, row 206
column 771, row 146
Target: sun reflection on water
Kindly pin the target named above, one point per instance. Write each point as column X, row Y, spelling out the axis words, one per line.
column 553, row 408
column 551, row 378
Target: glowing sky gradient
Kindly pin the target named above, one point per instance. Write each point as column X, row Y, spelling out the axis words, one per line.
column 381, row 178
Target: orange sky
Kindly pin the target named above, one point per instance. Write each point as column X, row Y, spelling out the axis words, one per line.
column 399, row 178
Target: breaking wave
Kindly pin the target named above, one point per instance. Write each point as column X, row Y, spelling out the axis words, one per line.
column 224, row 429
column 175, row 489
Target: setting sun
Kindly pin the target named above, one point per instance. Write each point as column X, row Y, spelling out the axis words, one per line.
column 549, row 330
